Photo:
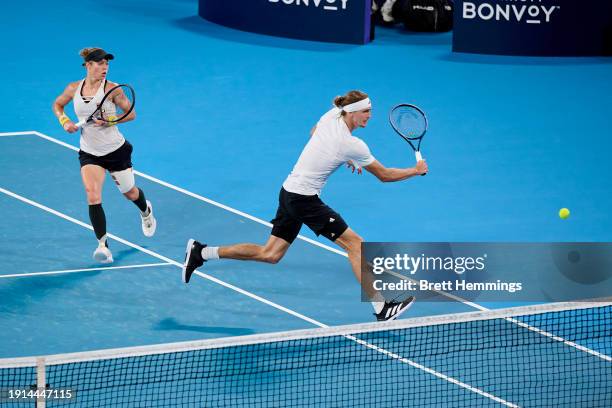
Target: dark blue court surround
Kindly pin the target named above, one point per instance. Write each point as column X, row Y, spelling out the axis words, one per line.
column 343, row 21
column 533, row 27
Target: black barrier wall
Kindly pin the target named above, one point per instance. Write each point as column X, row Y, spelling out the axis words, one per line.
column 343, row 21
column 533, row 27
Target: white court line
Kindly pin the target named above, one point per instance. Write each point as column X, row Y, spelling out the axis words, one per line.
column 511, row 320
column 430, row 371
column 29, row 132
column 316, row 243
column 161, row 257
column 263, row 300
column 107, row 268
column 196, row 196
column 560, row 339
column 260, row 221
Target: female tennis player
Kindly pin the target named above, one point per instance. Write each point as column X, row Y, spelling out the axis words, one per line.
column 330, row 146
column 102, row 146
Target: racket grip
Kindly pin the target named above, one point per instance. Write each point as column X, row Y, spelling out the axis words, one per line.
column 419, row 157
column 80, row 123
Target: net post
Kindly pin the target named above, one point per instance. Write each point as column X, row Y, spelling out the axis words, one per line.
column 41, row 382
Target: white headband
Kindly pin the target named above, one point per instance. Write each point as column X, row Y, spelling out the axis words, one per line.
column 357, row 106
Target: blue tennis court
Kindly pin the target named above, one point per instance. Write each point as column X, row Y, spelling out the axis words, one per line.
column 222, row 117
column 150, row 284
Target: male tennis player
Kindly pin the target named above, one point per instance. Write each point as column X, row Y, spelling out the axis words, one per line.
column 331, row 144
column 102, row 147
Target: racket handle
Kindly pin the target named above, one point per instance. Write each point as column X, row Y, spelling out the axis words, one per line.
column 419, row 157
column 80, row 123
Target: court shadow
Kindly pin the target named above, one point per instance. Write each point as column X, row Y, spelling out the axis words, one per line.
column 170, row 324
column 200, row 26
column 21, row 294
column 120, row 255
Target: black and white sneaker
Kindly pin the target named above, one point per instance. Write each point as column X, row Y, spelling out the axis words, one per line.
column 391, row 310
column 193, row 258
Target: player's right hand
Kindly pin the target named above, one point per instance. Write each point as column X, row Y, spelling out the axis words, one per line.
column 421, row 167
column 70, row 127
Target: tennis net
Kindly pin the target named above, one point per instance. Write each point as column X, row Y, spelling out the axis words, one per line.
column 537, row 356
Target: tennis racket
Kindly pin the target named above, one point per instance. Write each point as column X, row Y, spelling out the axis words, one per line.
column 410, row 122
column 121, row 90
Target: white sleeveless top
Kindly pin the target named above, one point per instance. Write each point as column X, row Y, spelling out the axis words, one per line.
column 96, row 140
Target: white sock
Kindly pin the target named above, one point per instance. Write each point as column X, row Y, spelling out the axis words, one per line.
column 378, row 306
column 210, row 253
column 378, row 302
column 102, row 240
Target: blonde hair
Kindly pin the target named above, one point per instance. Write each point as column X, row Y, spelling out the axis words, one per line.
column 350, row 97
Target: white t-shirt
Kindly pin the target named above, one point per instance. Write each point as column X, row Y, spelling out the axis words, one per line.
column 96, row 140
column 330, row 146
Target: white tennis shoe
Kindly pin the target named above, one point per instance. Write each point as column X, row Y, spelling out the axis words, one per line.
column 149, row 223
column 103, row 255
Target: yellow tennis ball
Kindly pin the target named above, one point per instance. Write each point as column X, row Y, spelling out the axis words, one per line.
column 564, row 213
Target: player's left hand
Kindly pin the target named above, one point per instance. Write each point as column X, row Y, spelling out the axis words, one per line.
column 351, row 165
column 98, row 122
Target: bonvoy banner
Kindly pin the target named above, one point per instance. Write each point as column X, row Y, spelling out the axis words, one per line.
column 344, row 21
column 533, row 27
column 330, row 5
column 522, row 272
column 519, row 11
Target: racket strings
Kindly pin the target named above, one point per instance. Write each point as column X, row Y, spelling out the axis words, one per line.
column 409, row 122
column 116, row 113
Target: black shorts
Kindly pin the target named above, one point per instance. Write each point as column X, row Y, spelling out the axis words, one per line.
column 118, row 160
column 296, row 209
